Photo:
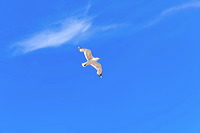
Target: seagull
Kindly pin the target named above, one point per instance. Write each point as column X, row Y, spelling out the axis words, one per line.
column 91, row 61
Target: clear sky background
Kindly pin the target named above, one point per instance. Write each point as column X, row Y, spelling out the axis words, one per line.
column 150, row 56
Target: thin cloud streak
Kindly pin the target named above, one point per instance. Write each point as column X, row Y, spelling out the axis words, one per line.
column 185, row 6
column 87, row 8
column 108, row 27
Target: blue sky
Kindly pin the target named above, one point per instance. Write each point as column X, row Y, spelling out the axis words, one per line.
column 150, row 56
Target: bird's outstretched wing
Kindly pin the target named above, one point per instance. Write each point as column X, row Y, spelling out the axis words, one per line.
column 87, row 53
column 98, row 67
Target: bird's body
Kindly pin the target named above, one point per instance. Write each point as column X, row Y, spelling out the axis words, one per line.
column 91, row 61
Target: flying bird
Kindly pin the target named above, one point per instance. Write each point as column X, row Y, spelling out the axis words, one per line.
column 91, row 61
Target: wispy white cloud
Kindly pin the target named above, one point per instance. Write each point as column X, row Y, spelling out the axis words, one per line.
column 74, row 29
column 65, row 32
column 189, row 5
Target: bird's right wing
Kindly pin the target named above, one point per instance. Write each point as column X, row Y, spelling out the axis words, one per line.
column 87, row 53
column 98, row 67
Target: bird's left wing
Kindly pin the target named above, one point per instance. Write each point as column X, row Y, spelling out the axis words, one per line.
column 98, row 67
column 87, row 53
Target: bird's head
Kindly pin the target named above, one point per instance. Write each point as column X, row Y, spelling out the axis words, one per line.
column 98, row 58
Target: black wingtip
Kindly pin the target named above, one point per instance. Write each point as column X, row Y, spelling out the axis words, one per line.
column 100, row 75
